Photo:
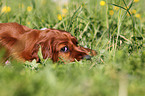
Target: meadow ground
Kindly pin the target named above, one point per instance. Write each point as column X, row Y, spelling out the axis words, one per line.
column 114, row 28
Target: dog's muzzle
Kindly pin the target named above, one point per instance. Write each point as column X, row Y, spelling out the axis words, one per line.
column 87, row 57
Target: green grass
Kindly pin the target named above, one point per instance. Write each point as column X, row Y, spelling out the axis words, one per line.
column 117, row 70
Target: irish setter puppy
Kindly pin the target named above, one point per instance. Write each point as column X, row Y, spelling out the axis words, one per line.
column 23, row 43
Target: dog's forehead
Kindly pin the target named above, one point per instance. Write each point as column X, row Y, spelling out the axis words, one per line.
column 61, row 35
column 69, row 37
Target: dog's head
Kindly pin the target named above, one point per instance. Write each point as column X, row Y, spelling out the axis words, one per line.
column 23, row 43
column 61, row 45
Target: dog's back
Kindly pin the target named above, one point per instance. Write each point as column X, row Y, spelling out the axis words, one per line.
column 13, row 29
column 9, row 32
column 14, row 37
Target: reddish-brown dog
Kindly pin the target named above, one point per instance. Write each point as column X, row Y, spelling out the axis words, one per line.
column 23, row 43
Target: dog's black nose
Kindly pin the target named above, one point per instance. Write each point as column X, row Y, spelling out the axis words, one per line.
column 87, row 57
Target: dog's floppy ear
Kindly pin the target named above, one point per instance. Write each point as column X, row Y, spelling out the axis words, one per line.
column 49, row 49
column 29, row 45
column 55, row 52
column 7, row 40
column 46, row 51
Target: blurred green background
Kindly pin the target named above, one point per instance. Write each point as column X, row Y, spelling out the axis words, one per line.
column 114, row 28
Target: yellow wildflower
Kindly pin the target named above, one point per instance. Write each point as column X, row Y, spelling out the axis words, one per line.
column 29, row 8
column 136, row 0
column 42, row 20
column 59, row 17
column 28, row 23
column 133, row 11
column 138, row 16
column 126, row 7
column 64, row 11
column 6, row 9
column 111, row 12
column 116, row 8
column 63, row 15
column 128, row 14
column 102, row 3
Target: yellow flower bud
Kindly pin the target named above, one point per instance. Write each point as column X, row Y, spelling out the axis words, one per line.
column 102, row 3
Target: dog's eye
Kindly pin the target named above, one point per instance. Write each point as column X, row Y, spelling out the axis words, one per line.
column 64, row 49
column 77, row 43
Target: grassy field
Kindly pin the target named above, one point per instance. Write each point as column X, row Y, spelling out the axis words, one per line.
column 114, row 28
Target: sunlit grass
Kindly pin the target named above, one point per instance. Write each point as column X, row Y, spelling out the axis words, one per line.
column 115, row 29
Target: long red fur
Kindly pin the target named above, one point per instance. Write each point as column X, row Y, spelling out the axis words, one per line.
column 23, row 43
